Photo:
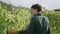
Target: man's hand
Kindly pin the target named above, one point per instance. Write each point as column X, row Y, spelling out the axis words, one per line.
column 12, row 31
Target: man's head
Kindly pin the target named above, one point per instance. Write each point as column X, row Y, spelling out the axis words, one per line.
column 36, row 8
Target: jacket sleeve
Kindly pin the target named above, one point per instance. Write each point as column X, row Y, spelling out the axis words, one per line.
column 48, row 25
column 30, row 27
column 48, row 30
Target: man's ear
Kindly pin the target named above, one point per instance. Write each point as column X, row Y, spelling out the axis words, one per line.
column 35, row 9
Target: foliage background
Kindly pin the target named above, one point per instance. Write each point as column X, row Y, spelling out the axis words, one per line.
column 19, row 18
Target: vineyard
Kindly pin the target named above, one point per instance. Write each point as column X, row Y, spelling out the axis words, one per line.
column 19, row 18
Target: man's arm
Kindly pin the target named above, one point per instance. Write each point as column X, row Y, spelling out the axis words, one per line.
column 30, row 27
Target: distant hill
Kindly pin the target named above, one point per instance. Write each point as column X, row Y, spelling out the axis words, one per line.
column 10, row 6
column 56, row 9
column 5, row 6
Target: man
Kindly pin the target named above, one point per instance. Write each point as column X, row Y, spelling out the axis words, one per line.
column 39, row 24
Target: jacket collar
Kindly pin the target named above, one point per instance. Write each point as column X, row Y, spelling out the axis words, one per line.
column 38, row 14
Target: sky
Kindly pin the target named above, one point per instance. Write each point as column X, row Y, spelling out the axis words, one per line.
column 48, row 4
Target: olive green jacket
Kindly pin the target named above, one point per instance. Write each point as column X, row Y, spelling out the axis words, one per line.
column 39, row 24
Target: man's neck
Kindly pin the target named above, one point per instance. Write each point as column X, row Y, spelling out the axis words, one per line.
column 37, row 13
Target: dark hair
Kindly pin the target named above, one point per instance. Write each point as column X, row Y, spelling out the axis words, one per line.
column 37, row 6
